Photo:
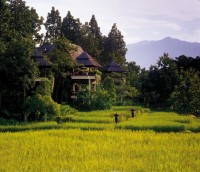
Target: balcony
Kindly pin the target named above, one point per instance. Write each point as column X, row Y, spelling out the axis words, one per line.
column 83, row 75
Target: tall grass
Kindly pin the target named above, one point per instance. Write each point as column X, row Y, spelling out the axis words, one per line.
column 103, row 151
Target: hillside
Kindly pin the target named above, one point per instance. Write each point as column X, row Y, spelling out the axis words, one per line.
column 145, row 53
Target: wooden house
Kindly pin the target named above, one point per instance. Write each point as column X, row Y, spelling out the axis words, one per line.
column 84, row 73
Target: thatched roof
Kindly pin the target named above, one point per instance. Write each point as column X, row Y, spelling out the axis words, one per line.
column 77, row 50
column 48, row 48
column 77, row 54
column 113, row 67
column 85, row 59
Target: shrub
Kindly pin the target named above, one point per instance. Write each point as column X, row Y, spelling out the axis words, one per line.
column 66, row 110
column 100, row 100
column 44, row 87
column 4, row 121
column 109, row 86
column 41, row 108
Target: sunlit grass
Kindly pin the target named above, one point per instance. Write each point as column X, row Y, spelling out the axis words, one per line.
column 89, row 151
column 103, row 120
column 91, row 141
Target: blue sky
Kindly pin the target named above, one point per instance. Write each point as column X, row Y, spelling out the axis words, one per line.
column 138, row 20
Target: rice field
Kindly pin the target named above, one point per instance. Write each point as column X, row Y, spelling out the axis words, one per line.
column 103, row 120
column 92, row 142
column 90, row 151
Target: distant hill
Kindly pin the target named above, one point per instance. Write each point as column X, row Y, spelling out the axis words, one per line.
column 145, row 53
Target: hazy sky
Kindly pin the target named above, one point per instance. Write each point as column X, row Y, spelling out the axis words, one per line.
column 137, row 19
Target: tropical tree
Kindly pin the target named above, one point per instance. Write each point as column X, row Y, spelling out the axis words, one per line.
column 5, row 31
column 24, row 21
column 18, row 73
column 186, row 95
column 19, row 28
column 94, row 28
column 71, row 29
column 115, row 46
column 109, row 86
column 87, row 39
column 133, row 75
column 184, row 62
column 91, row 38
column 53, row 25
column 62, row 65
column 159, row 82
column 97, row 38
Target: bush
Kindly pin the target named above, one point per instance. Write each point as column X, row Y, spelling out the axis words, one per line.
column 52, row 108
column 100, row 100
column 44, row 87
column 66, row 110
column 4, row 121
column 41, row 108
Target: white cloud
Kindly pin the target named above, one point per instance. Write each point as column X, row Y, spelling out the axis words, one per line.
column 173, row 26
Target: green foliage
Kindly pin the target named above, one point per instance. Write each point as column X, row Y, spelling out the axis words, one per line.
column 71, row 29
column 9, row 117
column 5, row 17
column 41, row 108
column 62, row 65
column 65, row 114
column 52, row 108
column 19, row 69
column 92, row 38
column 24, row 21
column 186, row 96
column 101, row 100
column 53, row 26
column 133, row 75
column 19, row 27
column 159, row 82
column 34, row 105
column 109, row 86
column 115, row 47
column 66, row 110
column 93, row 101
column 18, row 73
column 126, row 95
column 44, row 87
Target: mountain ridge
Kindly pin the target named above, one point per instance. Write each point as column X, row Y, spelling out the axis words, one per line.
column 147, row 53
